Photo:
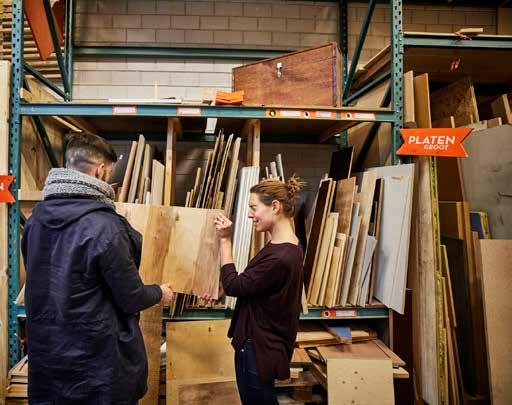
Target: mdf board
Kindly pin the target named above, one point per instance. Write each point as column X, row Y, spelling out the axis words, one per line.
column 409, row 114
column 422, row 101
column 486, row 175
column 128, row 173
column 157, row 183
column 496, row 286
column 457, row 99
column 316, row 231
column 199, row 351
column 341, row 164
column 450, row 182
column 365, row 198
column 360, row 381
column 394, row 235
column 308, row 77
column 189, row 249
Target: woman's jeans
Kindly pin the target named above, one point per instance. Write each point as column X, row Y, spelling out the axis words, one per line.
column 252, row 391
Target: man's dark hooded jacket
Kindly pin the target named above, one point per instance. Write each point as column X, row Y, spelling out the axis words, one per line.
column 83, row 294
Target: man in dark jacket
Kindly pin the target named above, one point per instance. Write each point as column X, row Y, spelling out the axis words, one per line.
column 83, row 290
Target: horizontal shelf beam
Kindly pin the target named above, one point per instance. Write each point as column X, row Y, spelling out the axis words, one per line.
column 168, row 52
column 182, row 111
column 453, row 41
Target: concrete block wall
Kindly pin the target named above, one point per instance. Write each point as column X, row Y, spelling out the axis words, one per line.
column 297, row 159
column 268, row 24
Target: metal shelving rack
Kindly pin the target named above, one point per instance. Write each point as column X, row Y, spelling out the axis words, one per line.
column 344, row 115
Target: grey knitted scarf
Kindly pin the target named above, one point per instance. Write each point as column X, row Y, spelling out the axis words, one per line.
column 72, row 183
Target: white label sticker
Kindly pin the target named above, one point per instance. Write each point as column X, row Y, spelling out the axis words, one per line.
column 364, row 116
column 291, row 113
column 189, row 111
column 324, row 114
column 124, row 110
column 351, row 313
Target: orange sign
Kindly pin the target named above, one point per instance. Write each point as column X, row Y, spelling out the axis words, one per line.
column 5, row 194
column 445, row 142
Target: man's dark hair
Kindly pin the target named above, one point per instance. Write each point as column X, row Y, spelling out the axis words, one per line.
column 84, row 150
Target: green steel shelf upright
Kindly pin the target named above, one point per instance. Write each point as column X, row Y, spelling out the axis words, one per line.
column 65, row 62
column 393, row 99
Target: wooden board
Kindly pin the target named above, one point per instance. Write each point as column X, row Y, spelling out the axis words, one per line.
column 360, row 381
column 365, row 198
column 300, row 358
column 157, row 183
column 341, row 164
column 345, row 193
column 451, row 218
column 36, row 17
column 199, row 352
column 212, row 393
column 170, row 160
column 409, row 114
column 128, row 173
column 316, row 231
column 394, row 235
column 496, row 286
column 231, row 181
column 308, row 77
column 137, row 166
column 191, row 257
column 486, row 175
column 323, row 261
column 501, row 108
column 351, row 253
column 422, row 101
column 145, row 172
column 457, row 99
column 335, row 271
column 5, row 68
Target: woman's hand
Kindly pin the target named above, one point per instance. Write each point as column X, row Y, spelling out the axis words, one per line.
column 210, row 300
column 223, row 226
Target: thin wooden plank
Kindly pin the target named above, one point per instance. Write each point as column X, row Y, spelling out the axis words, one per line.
column 173, row 132
column 212, row 393
column 300, row 357
column 316, row 230
column 409, row 115
column 335, row 273
column 451, row 218
column 145, row 171
column 456, row 99
column 351, row 253
column 137, row 166
column 501, row 108
column 157, row 182
column 365, row 198
column 449, row 292
column 323, row 260
column 345, row 193
column 496, row 256
column 422, row 101
column 231, row 181
column 360, row 381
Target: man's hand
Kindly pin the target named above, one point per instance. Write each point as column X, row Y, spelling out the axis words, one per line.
column 166, row 294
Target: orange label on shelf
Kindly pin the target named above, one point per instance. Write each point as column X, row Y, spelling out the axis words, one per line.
column 5, row 194
column 444, row 142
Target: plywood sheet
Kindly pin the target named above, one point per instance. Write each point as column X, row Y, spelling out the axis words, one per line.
column 365, row 198
column 456, row 99
column 451, row 218
column 128, row 173
column 496, row 286
column 422, row 101
column 409, row 114
column 360, row 381
column 345, row 193
column 189, row 250
column 486, row 175
column 211, row 393
column 157, row 183
column 501, row 108
column 199, row 351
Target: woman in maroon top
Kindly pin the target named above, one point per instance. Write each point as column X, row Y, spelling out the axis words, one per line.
column 266, row 316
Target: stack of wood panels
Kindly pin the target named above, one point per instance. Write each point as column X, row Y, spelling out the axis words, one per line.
column 17, row 383
column 276, row 170
column 344, row 262
column 215, row 188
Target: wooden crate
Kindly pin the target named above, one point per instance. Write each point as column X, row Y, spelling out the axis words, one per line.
column 309, row 77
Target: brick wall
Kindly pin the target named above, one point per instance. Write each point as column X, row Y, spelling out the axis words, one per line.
column 297, row 159
column 252, row 24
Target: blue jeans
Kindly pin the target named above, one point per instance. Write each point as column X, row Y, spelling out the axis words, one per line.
column 250, row 388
